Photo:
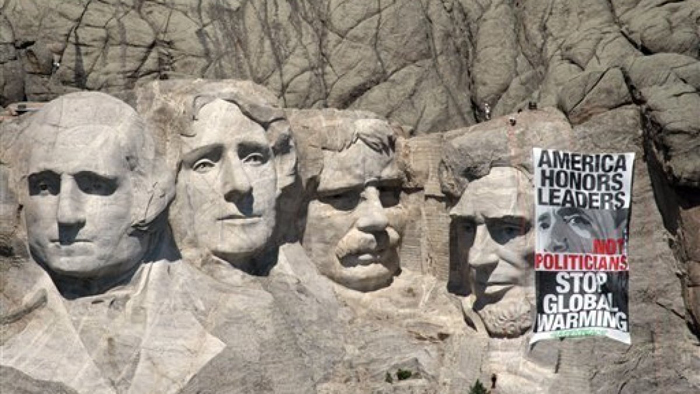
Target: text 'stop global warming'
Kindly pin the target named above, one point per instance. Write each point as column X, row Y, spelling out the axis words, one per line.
column 582, row 206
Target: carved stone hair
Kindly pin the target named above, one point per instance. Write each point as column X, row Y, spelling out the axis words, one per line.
column 173, row 107
column 333, row 130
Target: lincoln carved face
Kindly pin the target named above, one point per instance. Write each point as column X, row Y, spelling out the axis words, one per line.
column 494, row 229
column 355, row 220
column 83, row 197
column 228, row 184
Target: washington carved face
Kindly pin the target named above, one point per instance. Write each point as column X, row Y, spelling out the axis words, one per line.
column 354, row 224
column 80, row 202
column 494, row 224
column 229, row 179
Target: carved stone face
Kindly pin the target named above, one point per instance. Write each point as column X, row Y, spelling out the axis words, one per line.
column 572, row 230
column 79, row 206
column 353, row 227
column 494, row 229
column 229, row 181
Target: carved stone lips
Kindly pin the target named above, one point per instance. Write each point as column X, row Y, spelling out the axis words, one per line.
column 368, row 257
column 493, row 282
column 239, row 218
column 64, row 242
column 363, row 258
column 496, row 287
column 72, row 248
column 496, row 281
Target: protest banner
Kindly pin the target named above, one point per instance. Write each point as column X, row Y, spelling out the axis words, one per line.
column 582, row 204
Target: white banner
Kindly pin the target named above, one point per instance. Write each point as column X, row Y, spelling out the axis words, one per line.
column 582, row 206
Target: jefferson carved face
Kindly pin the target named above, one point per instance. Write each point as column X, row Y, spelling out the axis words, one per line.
column 354, row 224
column 494, row 224
column 229, row 182
column 80, row 202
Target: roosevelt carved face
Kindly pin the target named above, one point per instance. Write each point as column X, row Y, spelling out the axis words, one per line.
column 354, row 225
column 80, row 202
column 229, row 182
column 494, row 231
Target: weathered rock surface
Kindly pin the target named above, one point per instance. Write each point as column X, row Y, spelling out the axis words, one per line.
column 656, row 309
column 296, row 329
column 186, row 320
column 15, row 381
column 624, row 73
column 403, row 56
column 429, row 65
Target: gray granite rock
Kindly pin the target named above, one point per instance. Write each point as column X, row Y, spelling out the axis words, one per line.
column 657, row 311
column 14, row 381
column 625, row 75
column 432, row 66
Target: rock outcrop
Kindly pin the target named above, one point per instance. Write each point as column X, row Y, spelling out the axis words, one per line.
column 592, row 75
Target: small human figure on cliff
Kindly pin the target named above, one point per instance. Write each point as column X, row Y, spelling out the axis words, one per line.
column 487, row 111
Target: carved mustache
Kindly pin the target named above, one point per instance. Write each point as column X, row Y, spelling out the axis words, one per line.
column 358, row 242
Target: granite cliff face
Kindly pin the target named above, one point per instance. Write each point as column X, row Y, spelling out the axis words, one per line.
column 620, row 75
column 430, row 65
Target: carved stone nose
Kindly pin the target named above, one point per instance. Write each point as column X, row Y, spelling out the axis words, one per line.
column 483, row 251
column 71, row 210
column 234, row 180
column 372, row 217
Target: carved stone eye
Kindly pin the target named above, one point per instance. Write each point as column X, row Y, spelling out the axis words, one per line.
column 503, row 231
column 203, row 165
column 510, row 231
column 389, row 196
column 44, row 184
column 96, row 186
column 469, row 226
column 255, row 159
column 344, row 201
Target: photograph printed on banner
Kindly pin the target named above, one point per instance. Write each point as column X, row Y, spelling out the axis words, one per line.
column 579, row 230
column 581, row 263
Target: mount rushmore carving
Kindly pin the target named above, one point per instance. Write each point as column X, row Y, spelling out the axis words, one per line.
column 203, row 239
